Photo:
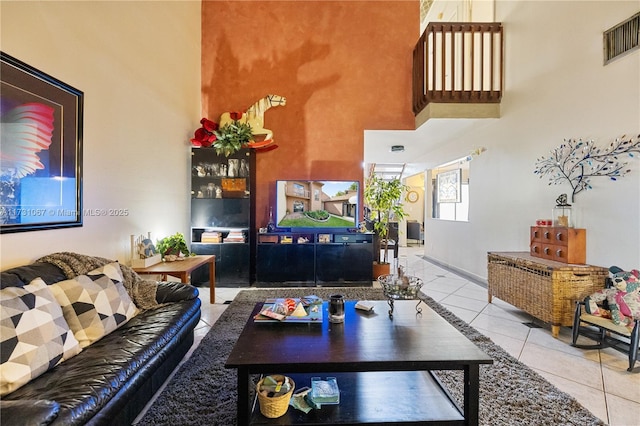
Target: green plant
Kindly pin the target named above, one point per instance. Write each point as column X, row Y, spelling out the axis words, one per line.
column 174, row 244
column 232, row 136
column 227, row 139
column 317, row 214
column 383, row 198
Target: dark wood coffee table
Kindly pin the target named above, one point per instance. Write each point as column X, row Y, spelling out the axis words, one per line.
column 383, row 366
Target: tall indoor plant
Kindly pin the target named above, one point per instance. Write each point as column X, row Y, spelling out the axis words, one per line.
column 383, row 196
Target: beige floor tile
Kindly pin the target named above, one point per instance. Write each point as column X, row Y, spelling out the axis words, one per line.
column 506, row 312
column 513, row 329
column 445, row 284
column 227, row 294
column 622, row 412
column 464, row 302
column 434, row 294
column 473, row 291
column 511, row 345
column 621, row 383
column 542, row 337
column 209, row 313
column 465, row 315
column 563, row 365
column 617, row 360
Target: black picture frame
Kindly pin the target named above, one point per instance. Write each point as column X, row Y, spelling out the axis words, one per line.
column 41, row 153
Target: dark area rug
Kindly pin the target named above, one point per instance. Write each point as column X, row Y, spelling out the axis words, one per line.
column 203, row 392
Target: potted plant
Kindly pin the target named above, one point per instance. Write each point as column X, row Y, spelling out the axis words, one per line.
column 233, row 136
column 172, row 246
column 383, row 197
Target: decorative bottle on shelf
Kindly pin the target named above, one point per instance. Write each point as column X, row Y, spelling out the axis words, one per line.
column 562, row 212
column 271, row 226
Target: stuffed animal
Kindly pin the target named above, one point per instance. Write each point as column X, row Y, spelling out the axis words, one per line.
column 628, row 296
column 623, row 298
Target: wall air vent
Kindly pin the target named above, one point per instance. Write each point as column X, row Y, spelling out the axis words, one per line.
column 621, row 39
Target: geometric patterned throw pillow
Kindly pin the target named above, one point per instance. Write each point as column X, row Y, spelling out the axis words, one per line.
column 95, row 304
column 34, row 335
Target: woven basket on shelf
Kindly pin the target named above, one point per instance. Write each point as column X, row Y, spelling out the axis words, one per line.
column 273, row 407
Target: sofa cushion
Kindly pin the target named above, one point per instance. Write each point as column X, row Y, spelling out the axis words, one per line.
column 34, row 334
column 95, row 304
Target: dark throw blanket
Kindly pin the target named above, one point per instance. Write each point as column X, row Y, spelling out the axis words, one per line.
column 142, row 292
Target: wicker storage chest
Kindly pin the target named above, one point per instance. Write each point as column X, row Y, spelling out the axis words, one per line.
column 543, row 288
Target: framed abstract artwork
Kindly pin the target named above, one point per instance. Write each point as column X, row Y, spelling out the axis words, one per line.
column 448, row 186
column 41, row 150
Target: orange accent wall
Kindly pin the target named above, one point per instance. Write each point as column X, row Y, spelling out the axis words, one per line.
column 344, row 67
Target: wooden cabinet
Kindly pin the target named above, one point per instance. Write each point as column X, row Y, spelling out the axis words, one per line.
column 560, row 244
column 310, row 259
column 289, row 265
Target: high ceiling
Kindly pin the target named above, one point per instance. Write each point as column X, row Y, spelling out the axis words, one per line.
column 432, row 134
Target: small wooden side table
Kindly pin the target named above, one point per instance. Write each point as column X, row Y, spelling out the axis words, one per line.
column 183, row 269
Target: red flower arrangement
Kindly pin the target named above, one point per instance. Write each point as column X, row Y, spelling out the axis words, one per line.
column 205, row 136
column 229, row 138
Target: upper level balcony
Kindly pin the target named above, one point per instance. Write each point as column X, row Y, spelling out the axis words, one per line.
column 297, row 190
column 458, row 71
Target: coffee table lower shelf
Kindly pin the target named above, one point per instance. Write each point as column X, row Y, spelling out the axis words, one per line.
column 407, row 397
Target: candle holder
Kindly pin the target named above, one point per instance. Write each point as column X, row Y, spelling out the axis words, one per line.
column 401, row 287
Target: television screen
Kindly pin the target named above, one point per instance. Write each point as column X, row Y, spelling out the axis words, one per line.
column 317, row 204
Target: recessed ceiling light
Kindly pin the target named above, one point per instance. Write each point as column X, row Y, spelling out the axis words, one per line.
column 397, row 148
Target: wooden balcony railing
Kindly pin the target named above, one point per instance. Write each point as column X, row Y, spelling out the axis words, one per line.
column 458, row 62
column 291, row 191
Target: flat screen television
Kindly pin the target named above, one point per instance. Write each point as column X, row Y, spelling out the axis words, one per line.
column 305, row 205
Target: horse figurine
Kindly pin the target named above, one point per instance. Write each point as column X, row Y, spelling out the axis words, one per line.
column 255, row 115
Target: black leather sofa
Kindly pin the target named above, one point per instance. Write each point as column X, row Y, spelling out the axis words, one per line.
column 110, row 381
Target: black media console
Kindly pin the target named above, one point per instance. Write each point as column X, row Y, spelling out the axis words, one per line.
column 314, row 259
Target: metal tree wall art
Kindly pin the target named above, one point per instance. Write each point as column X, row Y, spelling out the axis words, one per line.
column 577, row 161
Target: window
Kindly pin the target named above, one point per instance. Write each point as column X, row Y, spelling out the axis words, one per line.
column 298, row 189
column 622, row 38
column 450, row 190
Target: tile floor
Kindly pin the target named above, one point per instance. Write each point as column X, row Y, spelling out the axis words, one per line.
column 596, row 378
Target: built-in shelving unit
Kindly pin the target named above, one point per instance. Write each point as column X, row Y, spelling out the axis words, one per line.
column 222, row 218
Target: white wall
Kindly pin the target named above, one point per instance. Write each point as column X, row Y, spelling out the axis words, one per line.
column 555, row 88
column 138, row 64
